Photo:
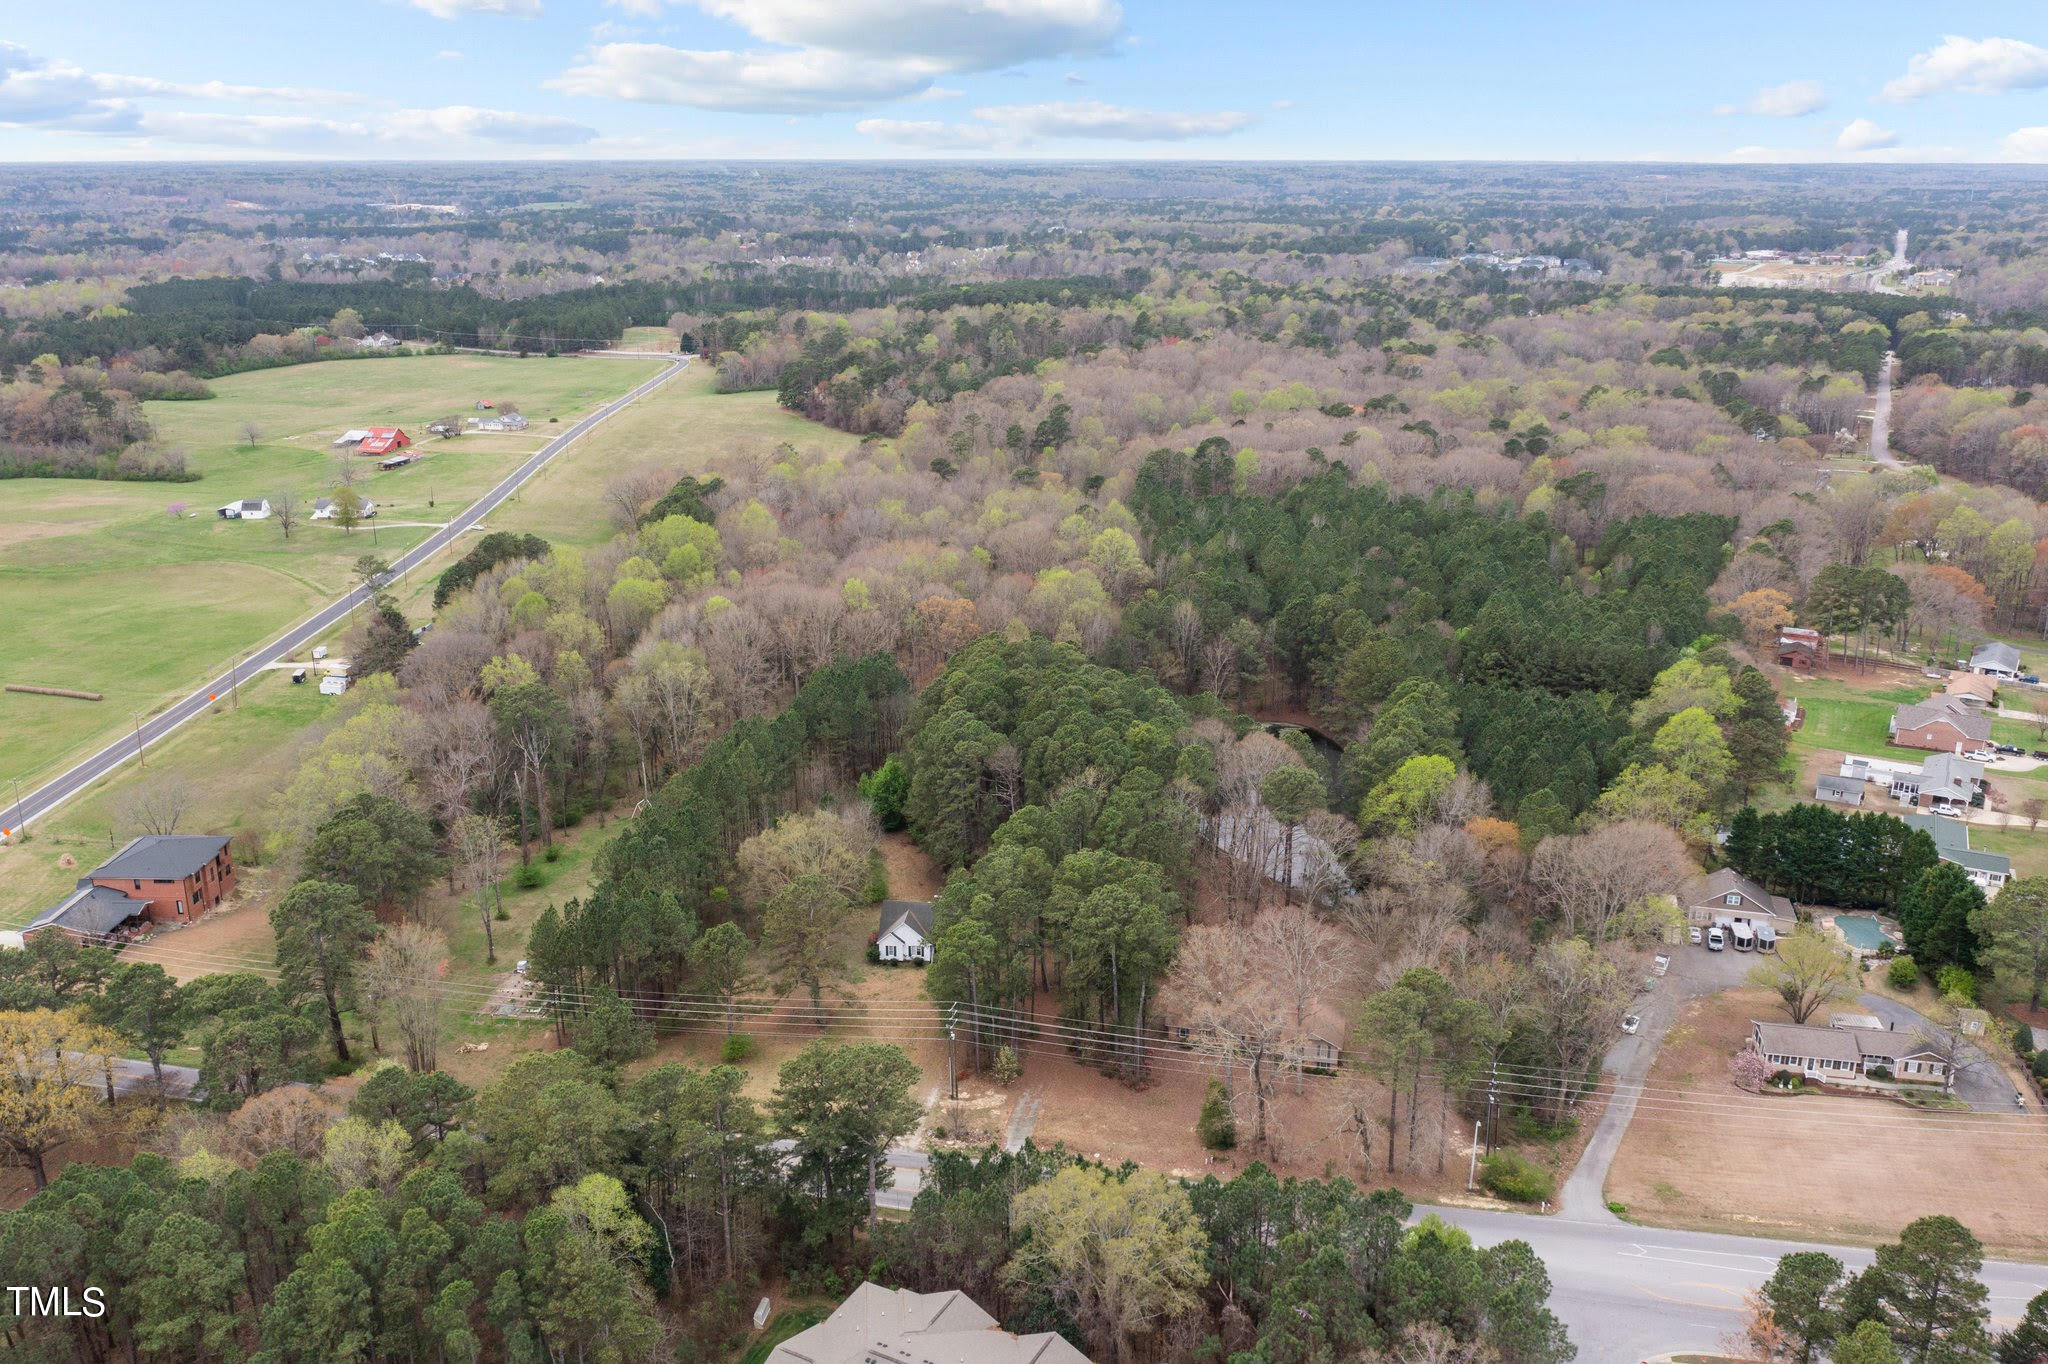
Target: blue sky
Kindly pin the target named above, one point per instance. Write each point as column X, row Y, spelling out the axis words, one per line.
column 1367, row 80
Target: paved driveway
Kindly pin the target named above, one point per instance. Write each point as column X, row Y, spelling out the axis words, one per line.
column 1694, row 972
column 1982, row 1086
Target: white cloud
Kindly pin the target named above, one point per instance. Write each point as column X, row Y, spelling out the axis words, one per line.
column 841, row 54
column 2026, row 144
column 1093, row 118
column 932, row 135
column 1012, row 126
column 1862, row 135
column 966, row 35
column 1074, row 78
column 447, row 54
column 453, row 127
column 1972, row 66
column 455, row 9
column 940, row 92
column 764, row 82
column 1790, row 100
column 36, row 91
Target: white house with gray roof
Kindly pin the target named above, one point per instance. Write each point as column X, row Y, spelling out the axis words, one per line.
column 1996, row 658
column 906, row 931
column 1846, row 1055
column 1989, row 870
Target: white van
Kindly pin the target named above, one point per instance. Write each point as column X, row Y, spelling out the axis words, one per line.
column 1715, row 940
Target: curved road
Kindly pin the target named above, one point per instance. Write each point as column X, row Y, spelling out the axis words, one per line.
column 39, row 802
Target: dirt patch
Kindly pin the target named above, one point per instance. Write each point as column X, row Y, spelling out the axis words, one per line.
column 1702, row 1153
column 912, row 873
column 233, row 937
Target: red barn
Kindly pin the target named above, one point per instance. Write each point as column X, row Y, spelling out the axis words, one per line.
column 382, row 440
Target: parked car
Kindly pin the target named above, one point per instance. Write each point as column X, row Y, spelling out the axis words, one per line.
column 2010, row 748
column 521, row 967
column 1935, row 673
column 1982, row 755
column 1696, row 935
column 2041, row 753
column 1661, row 964
column 1716, row 939
column 2032, row 679
column 1631, row 1022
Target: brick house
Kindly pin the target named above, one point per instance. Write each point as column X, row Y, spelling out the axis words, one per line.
column 1943, row 724
column 164, row 878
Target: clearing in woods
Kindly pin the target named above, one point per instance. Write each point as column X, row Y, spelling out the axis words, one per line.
column 105, row 590
column 1701, row 1153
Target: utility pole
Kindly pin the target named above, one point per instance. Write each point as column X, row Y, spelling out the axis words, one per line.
column 138, row 742
column 952, row 1070
column 20, row 815
column 1493, row 1107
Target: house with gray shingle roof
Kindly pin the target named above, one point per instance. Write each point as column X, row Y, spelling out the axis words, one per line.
column 1845, row 1055
column 1996, row 659
column 877, row 1325
column 1942, row 723
column 163, row 878
column 906, row 931
column 1951, row 837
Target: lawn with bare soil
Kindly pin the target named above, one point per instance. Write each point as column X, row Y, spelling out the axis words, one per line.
column 1701, row 1153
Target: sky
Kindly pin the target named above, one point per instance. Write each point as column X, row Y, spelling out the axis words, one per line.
column 1499, row 80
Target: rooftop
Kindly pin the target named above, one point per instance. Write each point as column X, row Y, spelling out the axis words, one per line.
column 161, row 857
column 89, row 910
column 919, row 912
column 877, row 1325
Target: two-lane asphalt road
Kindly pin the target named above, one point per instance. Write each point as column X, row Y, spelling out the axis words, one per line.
column 1628, row 1293
column 39, row 802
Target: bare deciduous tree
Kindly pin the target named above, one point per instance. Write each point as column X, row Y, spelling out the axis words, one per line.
column 284, row 509
column 1589, row 880
column 477, row 843
column 1235, row 1009
column 154, row 804
column 400, row 983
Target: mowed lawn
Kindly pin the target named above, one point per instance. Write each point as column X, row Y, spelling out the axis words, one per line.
column 103, row 589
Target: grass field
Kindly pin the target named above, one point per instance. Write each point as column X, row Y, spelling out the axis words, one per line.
column 1701, row 1153
column 105, row 591
column 234, row 757
column 683, row 427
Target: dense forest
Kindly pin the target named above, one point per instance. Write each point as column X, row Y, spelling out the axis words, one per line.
column 1271, row 640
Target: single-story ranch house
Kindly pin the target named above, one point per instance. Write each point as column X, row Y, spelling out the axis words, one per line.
column 1996, row 659
column 1845, row 1054
column 1989, row 870
column 1943, row 724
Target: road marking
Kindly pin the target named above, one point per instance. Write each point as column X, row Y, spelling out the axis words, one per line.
column 1688, row 1302
column 1638, row 1251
